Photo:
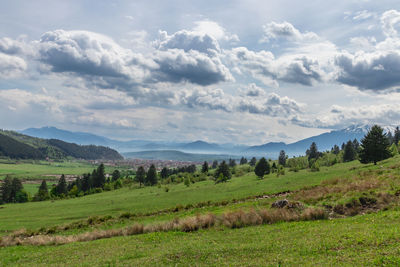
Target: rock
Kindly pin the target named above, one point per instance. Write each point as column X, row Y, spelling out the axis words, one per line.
column 279, row 204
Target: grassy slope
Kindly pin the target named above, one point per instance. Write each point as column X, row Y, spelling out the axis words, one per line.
column 361, row 240
column 38, row 214
column 357, row 241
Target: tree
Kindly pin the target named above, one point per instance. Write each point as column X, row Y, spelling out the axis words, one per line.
column 282, row 158
column 151, row 177
column 396, row 137
column 164, row 173
column 390, row 137
column 253, row 161
column 374, row 146
column 243, row 161
column 16, row 186
column 5, row 190
column 262, row 168
column 86, row 182
column 222, row 174
column 356, row 145
column 116, row 175
column 214, row 164
column 335, row 150
column 140, row 175
column 274, row 167
column 61, row 187
column 43, row 192
column 393, row 150
column 232, row 163
column 349, row 152
column 312, row 153
column 99, row 177
column 204, row 168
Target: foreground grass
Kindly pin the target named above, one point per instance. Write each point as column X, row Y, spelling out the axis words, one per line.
column 362, row 241
column 149, row 199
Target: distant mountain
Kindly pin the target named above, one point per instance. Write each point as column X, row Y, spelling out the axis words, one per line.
column 324, row 141
column 176, row 156
column 21, row 146
column 67, row 136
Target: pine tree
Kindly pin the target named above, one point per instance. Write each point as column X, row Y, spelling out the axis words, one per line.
column 100, row 179
column 222, row 174
column 232, row 163
column 356, row 146
column 262, row 168
column 312, row 153
column 335, row 150
column 214, row 164
column 204, row 168
column 116, row 175
column 5, row 190
column 151, row 177
column 396, row 137
column 140, row 175
column 253, row 161
column 349, row 152
column 390, row 137
column 61, row 187
column 243, row 161
column 43, row 192
column 164, row 173
column 86, row 182
column 282, row 158
column 374, row 146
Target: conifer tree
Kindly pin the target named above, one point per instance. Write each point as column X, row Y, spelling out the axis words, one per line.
column 262, row 168
column 5, row 190
column 204, row 168
column 151, row 177
column 214, row 164
column 61, row 187
column 396, row 137
column 116, row 175
column 43, row 192
column 140, row 175
column 374, row 146
column 282, row 158
column 253, row 161
column 349, row 152
column 222, row 174
column 243, row 161
column 164, row 173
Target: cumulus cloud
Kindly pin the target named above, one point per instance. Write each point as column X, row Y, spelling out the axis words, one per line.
column 264, row 66
column 256, row 101
column 390, row 20
column 215, row 30
column 187, row 41
column 376, row 71
column 11, row 66
column 287, row 31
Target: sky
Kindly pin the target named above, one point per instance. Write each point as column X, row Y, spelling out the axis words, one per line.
column 245, row 72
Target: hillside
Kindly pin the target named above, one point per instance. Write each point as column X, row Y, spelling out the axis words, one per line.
column 343, row 215
column 19, row 146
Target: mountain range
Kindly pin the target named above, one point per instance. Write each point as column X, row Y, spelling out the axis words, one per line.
column 324, row 142
column 20, row 146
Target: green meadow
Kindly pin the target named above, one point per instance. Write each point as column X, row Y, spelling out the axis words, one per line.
column 361, row 235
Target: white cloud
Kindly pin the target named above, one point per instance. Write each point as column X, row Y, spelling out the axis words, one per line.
column 390, row 20
column 215, row 30
column 11, row 66
column 287, row 31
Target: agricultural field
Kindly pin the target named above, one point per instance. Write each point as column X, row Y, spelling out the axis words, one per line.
column 341, row 212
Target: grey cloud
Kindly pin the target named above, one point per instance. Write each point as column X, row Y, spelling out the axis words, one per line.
column 11, row 66
column 263, row 66
column 176, row 66
column 286, row 30
column 188, row 40
column 374, row 71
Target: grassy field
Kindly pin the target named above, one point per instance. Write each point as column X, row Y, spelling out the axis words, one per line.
column 370, row 238
column 38, row 214
column 38, row 170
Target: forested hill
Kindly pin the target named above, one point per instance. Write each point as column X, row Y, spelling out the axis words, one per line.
column 20, row 146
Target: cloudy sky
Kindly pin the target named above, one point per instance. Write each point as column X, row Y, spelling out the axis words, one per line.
column 244, row 72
